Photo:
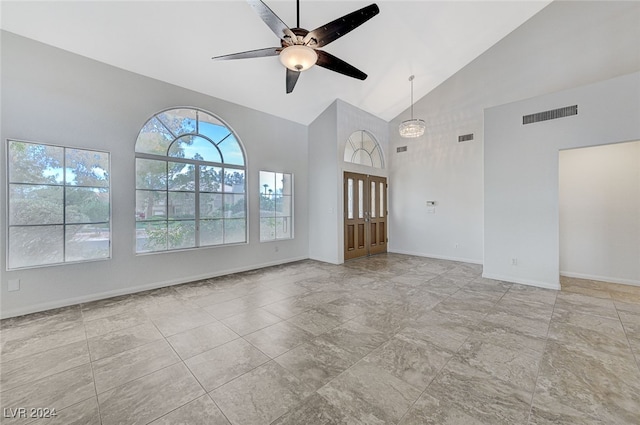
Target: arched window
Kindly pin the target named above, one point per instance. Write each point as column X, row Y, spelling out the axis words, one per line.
column 190, row 182
column 363, row 149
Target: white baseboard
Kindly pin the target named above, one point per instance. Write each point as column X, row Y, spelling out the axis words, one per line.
column 132, row 290
column 536, row 283
column 439, row 257
column 632, row 282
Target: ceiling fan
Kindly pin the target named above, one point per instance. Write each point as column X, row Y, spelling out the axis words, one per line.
column 299, row 48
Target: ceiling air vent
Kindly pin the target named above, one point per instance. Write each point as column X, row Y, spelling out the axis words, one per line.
column 465, row 138
column 567, row 111
column 401, row 149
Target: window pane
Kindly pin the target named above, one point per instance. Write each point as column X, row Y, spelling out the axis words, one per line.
column 182, row 176
column 31, row 204
column 210, row 205
column 87, row 242
column 86, row 168
column 287, row 184
column 86, row 205
column 376, row 159
column 194, row 147
column 360, row 199
column 35, row 246
column 283, row 231
column 210, row 232
column 151, row 205
column 182, row 205
column 235, row 231
column 182, row 234
column 151, row 174
column 210, row 179
column 33, row 163
column 234, row 181
column 154, row 138
column 362, row 157
column 231, row 152
column 381, row 194
column 151, row 236
column 348, row 152
column 267, row 228
column 267, row 206
column 179, row 121
column 206, row 121
column 349, row 198
column 193, row 196
column 283, row 206
column 234, row 206
column 372, row 195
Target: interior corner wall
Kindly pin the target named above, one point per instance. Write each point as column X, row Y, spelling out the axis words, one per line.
column 328, row 136
column 600, row 213
column 56, row 97
column 323, row 184
column 522, row 172
column 565, row 45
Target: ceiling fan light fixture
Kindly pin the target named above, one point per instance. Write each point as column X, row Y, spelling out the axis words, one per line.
column 410, row 129
column 298, row 57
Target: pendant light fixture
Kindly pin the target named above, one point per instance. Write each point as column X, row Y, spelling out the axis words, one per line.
column 414, row 127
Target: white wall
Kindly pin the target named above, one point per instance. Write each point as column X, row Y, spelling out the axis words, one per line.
column 600, row 213
column 521, row 172
column 328, row 136
column 567, row 44
column 56, row 97
column 323, row 201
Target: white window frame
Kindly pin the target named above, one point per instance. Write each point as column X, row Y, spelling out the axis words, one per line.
column 64, row 222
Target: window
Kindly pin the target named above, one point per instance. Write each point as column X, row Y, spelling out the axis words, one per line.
column 190, row 183
column 59, row 205
column 363, row 149
column 276, row 206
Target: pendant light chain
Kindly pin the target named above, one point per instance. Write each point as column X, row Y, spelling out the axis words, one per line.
column 411, row 79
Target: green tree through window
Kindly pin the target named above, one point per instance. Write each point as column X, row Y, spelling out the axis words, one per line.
column 59, row 205
column 190, row 182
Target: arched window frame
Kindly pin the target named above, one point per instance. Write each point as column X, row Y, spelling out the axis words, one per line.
column 224, row 226
column 357, row 148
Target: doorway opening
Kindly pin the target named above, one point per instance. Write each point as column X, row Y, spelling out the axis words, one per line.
column 599, row 207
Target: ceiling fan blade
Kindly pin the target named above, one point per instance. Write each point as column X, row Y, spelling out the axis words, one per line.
column 259, row 53
column 335, row 29
column 292, row 79
column 271, row 19
column 328, row 61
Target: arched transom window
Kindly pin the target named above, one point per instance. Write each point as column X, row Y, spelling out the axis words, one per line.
column 363, row 149
column 190, row 182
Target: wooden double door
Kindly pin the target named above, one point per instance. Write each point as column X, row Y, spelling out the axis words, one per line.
column 365, row 215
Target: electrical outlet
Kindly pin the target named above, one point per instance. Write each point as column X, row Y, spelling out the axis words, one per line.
column 277, row 248
column 456, row 245
column 514, row 261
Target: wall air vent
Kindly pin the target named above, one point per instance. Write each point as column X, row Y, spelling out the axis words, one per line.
column 465, row 138
column 401, row 149
column 567, row 111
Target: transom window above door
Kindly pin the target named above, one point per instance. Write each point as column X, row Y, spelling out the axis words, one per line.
column 190, row 182
column 362, row 148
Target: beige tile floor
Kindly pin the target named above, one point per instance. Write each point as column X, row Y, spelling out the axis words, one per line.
column 391, row 339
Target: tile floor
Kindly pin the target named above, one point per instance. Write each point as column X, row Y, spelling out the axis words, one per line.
column 391, row 339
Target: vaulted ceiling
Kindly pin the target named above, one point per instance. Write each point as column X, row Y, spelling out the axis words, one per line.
column 174, row 41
